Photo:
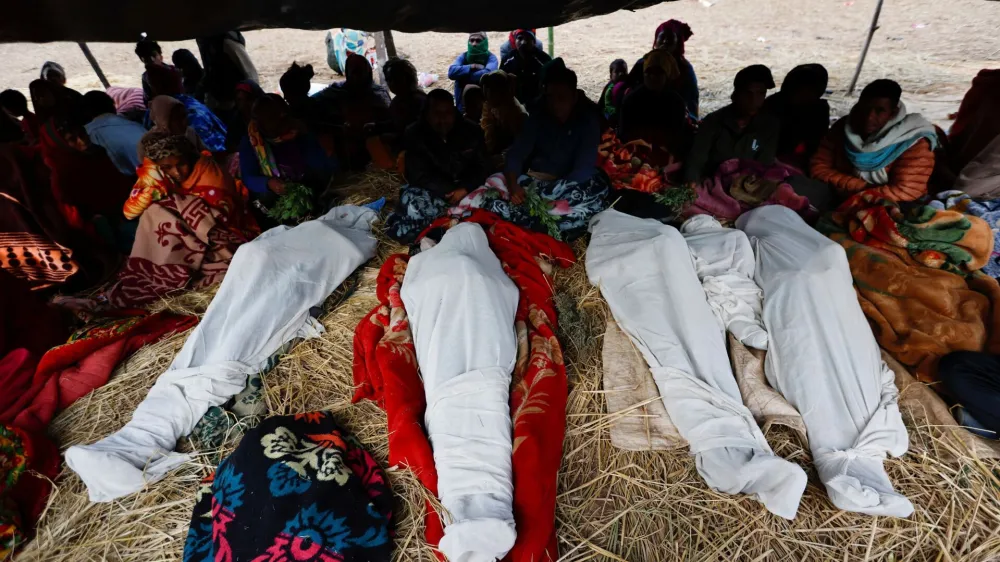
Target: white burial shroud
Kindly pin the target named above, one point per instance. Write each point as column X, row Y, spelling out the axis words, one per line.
column 647, row 275
column 263, row 303
column 461, row 307
column 823, row 358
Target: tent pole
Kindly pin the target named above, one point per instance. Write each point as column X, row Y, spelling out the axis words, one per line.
column 94, row 65
column 380, row 55
column 390, row 44
column 552, row 42
column 864, row 50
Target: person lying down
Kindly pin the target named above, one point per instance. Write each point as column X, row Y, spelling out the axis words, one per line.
column 823, row 358
column 648, row 276
column 461, row 309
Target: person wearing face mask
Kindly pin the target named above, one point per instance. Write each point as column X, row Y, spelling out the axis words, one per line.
column 738, row 131
column 879, row 147
column 470, row 67
column 445, row 160
column 525, row 62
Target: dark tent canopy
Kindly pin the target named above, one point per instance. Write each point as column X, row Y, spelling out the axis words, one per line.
column 124, row 20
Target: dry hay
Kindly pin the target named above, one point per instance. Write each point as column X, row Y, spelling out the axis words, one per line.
column 612, row 504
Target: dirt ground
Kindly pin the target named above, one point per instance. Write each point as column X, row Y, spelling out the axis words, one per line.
column 932, row 48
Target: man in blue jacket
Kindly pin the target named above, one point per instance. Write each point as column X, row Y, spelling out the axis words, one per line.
column 477, row 61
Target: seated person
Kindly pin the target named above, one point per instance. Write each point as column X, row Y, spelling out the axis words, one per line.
column 555, row 158
column 654, row 113
column 151, row 55
column 49, row 100
column 503, row 115
column 170, row 117
column 526, row 64
column 470, row 67
column 407, row 103
column 803, row 113
column 278, row 151
column 614, row 91
column 671, row 36
column 973, row 380
column 16, row 105
column 445, row 160
column 129, row 102
column 54, row 72
column 118, row 136
column 245, row 94
column 166, row 81
column 85, row 183
column 739, row 130
column 178, row 185
column 473, row 101
column 977, row 123
column 510, row 45
column 878, row 146
column 191, row 72
column 354, row 103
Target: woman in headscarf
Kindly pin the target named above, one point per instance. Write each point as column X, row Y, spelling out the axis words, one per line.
column 803, row 113
column 503, row 115
column 49, row 100
column 356, row 102
column 470, row 67
column 671, row 36
column 656, row 114
column 169, row 116
column 54, row 72
column 164, row 81
column 193, row 218
column 278, row 151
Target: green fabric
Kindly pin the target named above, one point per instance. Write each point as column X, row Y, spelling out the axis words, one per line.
column 478, row 54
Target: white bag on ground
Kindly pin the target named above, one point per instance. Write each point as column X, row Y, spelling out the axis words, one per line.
column 823, row 358
column 263, row 302
column 461, row 307
column 647, row 276
column 724, row 262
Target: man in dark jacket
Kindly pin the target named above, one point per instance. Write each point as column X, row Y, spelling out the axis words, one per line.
column 526, row 63
column 739, row 130
column 445, row 154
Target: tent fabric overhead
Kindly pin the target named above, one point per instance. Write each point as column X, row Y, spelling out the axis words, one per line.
column 114, row 20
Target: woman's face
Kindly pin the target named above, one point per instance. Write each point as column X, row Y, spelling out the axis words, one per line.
column 178, row 123
column 176, row 167
column 43, row 99
column 666, row 40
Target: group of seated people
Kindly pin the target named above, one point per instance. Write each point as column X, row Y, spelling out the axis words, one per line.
column 101, row 174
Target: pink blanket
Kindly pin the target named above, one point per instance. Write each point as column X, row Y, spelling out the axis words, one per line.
column 741, row 185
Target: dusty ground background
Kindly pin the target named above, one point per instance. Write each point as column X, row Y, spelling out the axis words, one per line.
column 932, row 47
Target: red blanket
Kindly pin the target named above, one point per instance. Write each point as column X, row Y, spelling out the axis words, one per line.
column 385, row 370
column 67, row 373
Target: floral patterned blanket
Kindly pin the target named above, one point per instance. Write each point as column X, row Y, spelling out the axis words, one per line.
column 296, row 488
column 385, row 370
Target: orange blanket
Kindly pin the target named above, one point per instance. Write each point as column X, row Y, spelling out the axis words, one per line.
column 918, row 310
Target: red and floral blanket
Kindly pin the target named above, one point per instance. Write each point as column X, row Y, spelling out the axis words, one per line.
column 33, row 395
column 385, row 370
